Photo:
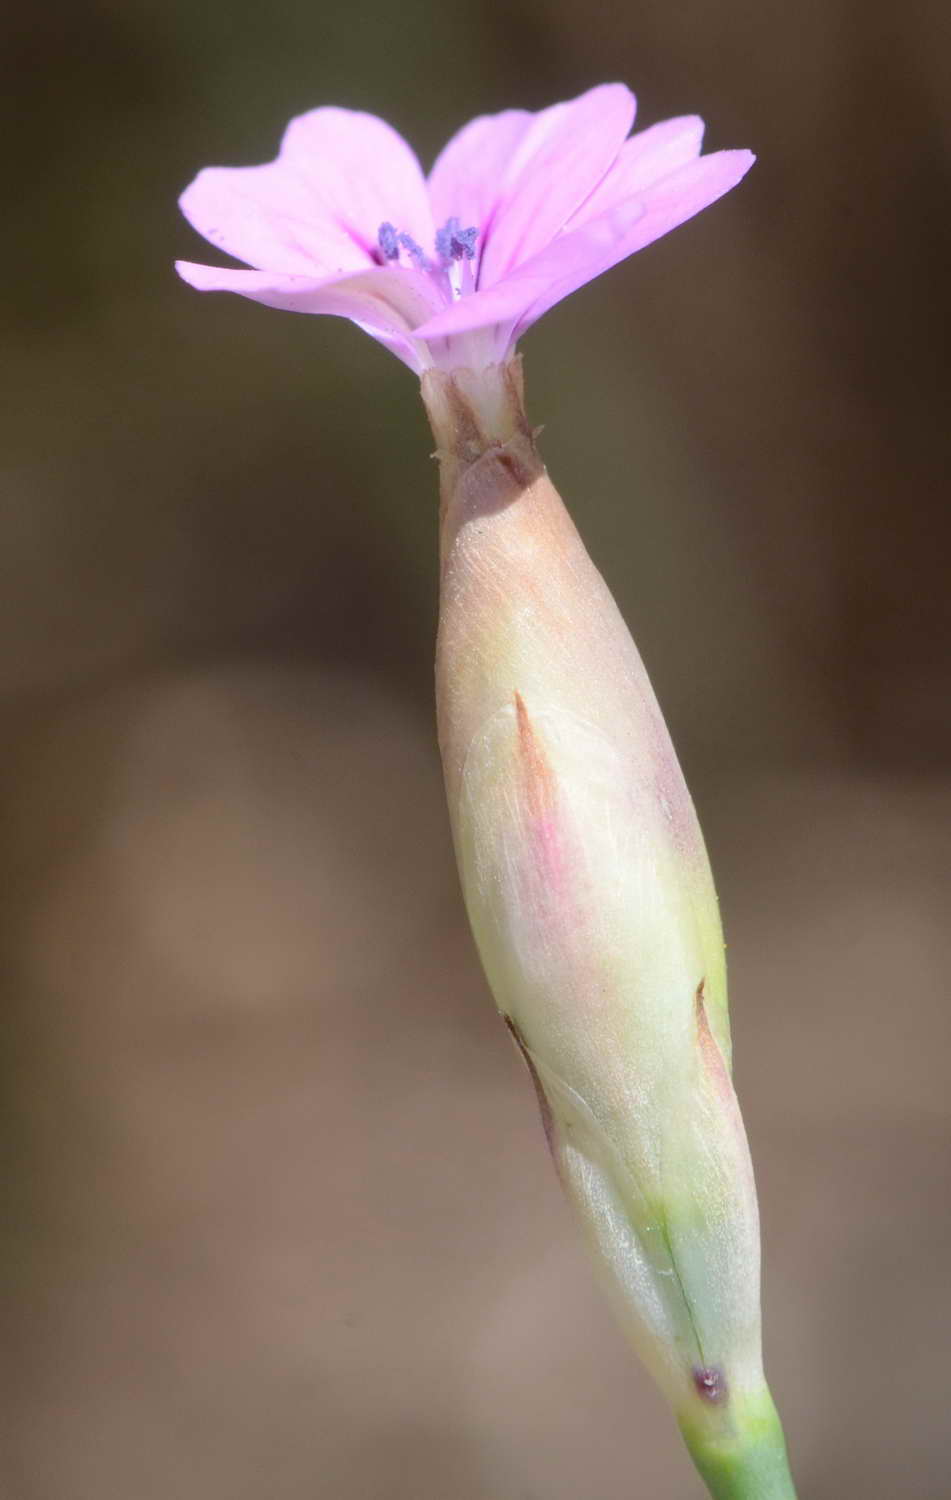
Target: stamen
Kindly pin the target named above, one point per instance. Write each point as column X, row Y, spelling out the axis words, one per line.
column 455, row 243
column 444, row 239
column 464, row 243
column 388, row 241
column 416, row 255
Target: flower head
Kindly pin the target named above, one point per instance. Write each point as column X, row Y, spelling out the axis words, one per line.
column 519, row 210
column 582, row 863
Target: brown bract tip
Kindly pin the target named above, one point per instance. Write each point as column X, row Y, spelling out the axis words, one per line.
column 713, row 1062
column 545, row 1110
column 480, row 413
column 539, row 780
column 709, row 1047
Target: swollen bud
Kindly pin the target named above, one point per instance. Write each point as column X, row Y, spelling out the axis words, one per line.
column 590, row 897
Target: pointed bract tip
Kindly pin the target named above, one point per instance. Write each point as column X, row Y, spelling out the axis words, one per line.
column 539, row 780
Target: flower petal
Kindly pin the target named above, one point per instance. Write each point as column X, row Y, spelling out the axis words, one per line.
column 361, row 172
column 316, row 209
column 269, row 217
column 583, row 253
column 388, row 304
column 666, row 204
column 644, row 159
column 467, row 175
column 580, row 255
column 558, row 162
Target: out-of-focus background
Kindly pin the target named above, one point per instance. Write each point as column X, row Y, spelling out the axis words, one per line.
column 276, row 1217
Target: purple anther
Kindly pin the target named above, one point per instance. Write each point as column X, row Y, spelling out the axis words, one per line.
column 455, row 243
column 464, row 243
column 388, row 241
column 416, row 255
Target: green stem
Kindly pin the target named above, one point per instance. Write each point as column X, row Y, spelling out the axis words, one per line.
column 741, row 1454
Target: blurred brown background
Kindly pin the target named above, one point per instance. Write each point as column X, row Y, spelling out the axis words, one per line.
column 276, row 1215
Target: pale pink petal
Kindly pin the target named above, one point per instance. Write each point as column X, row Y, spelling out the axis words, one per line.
column 557, row 164
column 318, row 208
column 269, row 217
column 644, row 159
column 389, row 304
column 361, row 173
column 467, row 176
column 580, row 255
column 667, row 203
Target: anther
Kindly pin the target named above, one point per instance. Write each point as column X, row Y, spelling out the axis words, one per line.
column 388, row 241
column 455, row 243
column 414, row 252
column 391, row 240
column 464, row 243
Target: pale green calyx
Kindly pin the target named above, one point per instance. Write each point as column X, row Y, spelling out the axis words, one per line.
column 589, row 892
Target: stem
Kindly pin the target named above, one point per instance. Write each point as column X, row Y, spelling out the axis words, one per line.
column 744, row 1458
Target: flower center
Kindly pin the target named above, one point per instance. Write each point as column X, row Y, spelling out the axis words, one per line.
column 455, row 248
column 455, row 243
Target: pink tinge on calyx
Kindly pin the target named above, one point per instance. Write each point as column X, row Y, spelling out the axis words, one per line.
column 540, row 806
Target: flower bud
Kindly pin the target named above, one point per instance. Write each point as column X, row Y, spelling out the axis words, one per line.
column 591, row 901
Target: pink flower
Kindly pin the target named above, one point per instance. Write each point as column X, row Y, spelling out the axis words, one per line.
column 519, row 210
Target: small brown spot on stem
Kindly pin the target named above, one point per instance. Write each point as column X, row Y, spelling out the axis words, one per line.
column 710, row 1384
